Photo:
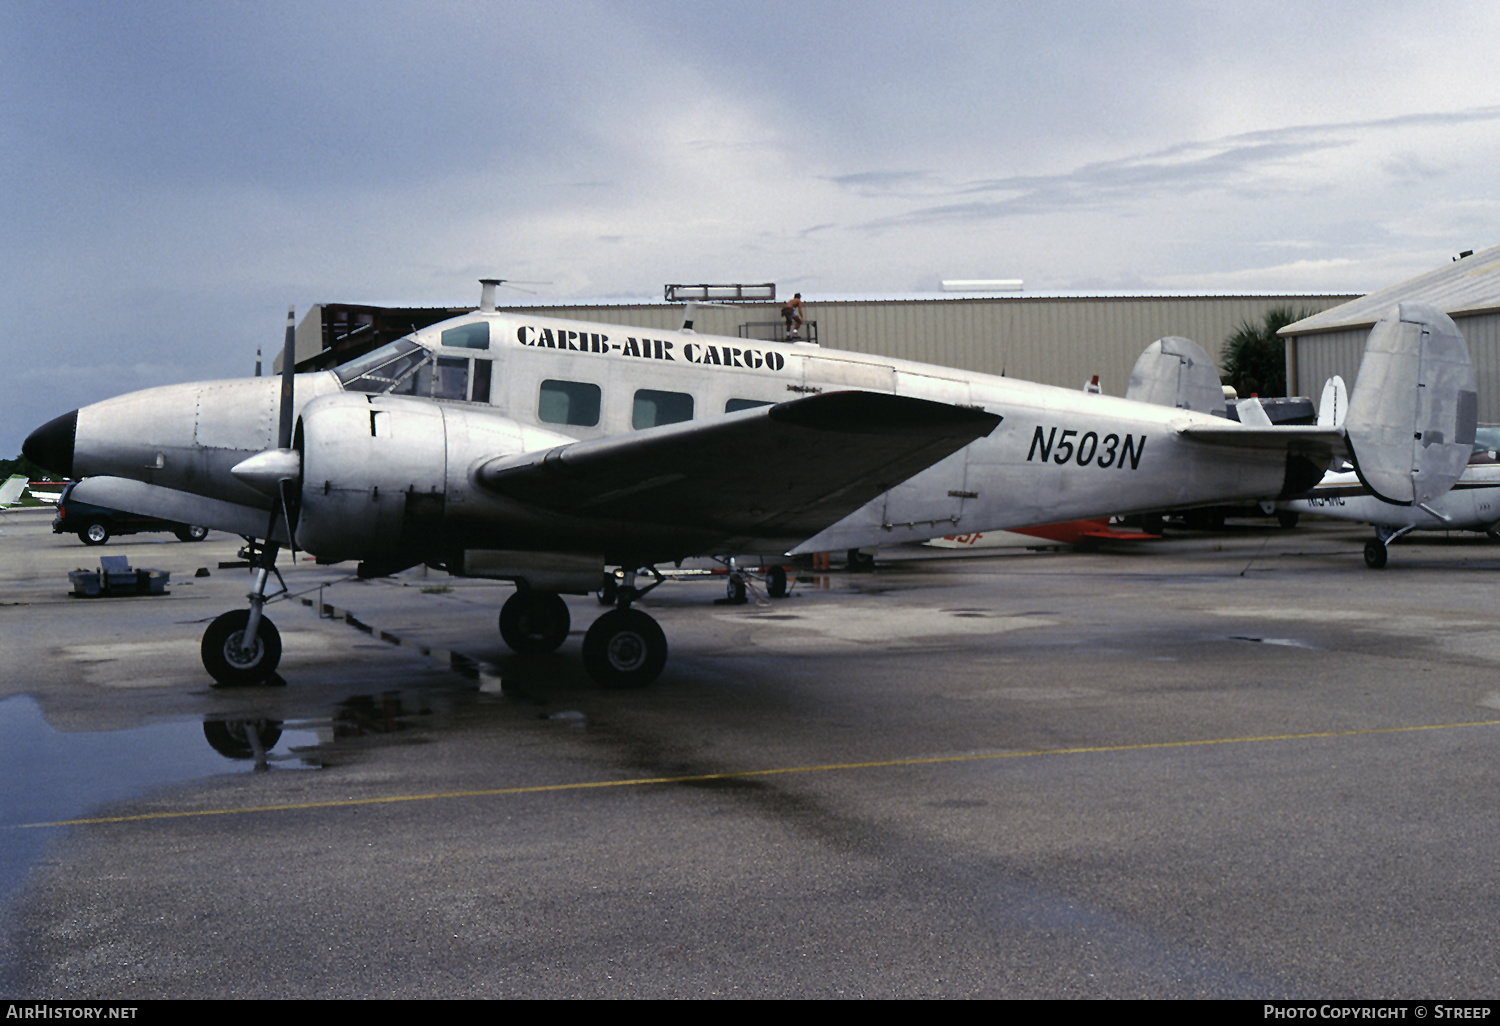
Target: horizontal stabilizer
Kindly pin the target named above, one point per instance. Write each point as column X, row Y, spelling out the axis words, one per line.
column 788, row 470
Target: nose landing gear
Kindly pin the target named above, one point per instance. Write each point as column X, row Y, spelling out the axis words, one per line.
column 242, row 647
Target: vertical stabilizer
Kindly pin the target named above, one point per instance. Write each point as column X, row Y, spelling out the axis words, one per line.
column 10, row 491
column 1176, row 372
column 1412, row 416
column 1333, row 407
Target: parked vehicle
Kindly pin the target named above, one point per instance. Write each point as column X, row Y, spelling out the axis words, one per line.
column 96, row 525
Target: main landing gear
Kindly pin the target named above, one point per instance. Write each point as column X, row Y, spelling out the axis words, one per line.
column 533, row 622
column 1375, row 549
column 242, row 647
column 737, row 584
column 624, row 648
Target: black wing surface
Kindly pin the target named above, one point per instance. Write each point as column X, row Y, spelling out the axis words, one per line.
column 787, row 470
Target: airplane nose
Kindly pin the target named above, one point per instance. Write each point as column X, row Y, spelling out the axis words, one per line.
column 51, row 445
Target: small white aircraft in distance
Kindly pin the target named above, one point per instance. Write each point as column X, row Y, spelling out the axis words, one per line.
column 540, row 450
column 1473, row 504
column 12, row 490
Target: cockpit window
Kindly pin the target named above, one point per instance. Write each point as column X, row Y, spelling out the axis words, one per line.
column 468, row 336
column 386, row 369
column 405, row 368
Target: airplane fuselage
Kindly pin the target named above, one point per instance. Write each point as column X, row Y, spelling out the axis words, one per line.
column 1472, row 505
column 1057, row 454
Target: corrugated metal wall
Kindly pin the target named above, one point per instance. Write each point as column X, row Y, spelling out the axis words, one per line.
column 1319, row 357
column 1057, row 341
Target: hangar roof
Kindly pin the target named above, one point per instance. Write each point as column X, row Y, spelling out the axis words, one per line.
column 1468, row 285
column 812, row 297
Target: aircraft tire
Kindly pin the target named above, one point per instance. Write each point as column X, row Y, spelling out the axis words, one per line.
column 734, row 589
column 534, row 622
column 609, row 590
column 1375, row 554
column 95, row 532
column 1287, row 519
column 227, row 664
column 192, row 533
column 776, row 582
column 624, row 648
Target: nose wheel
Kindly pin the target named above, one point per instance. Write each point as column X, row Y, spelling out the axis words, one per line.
column 235, row 658
column 242, row 647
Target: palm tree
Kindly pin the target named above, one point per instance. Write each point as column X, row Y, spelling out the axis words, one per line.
column 1255, row 358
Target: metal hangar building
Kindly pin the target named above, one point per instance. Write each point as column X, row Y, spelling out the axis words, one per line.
column 1467, row 289
column 1057, row 338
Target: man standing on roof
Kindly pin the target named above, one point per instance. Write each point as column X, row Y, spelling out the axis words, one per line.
column 793, row 314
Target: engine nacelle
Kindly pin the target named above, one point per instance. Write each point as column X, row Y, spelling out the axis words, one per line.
column 374, row 471
column 381, row 473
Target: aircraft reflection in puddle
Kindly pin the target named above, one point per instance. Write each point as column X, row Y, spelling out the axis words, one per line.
column 254, row 738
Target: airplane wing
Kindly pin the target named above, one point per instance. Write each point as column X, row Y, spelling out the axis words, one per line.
column 783, row 471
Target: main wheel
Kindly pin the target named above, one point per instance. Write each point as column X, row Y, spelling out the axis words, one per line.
column 192, row 533
column 1375, row 554
column 95, row 532
column 734, row 589
column 609, row 590
column 1287, row 518
column 624, row 648
column 532, row 622
column 233, row 663
column 776, row 582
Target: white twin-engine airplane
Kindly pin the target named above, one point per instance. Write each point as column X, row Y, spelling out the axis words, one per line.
column 540, row 451
column 1472, row 505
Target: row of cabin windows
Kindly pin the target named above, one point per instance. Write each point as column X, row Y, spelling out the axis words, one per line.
column 577, row 403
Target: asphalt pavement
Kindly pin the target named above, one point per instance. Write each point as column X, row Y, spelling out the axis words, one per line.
column 1218, row 765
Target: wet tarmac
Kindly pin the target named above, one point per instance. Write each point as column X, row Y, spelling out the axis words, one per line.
column 1213, row 766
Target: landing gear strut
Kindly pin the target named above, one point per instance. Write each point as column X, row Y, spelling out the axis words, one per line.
column 243, row 647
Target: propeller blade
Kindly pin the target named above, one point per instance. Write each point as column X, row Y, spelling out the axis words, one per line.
column 288, row 373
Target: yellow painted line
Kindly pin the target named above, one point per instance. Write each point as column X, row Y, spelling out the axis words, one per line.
column 748, row 774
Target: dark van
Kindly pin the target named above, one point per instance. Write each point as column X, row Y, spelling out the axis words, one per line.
column 96, row 525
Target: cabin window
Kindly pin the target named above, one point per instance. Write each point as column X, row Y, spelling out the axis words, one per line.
column 653, row 408
column 569, row 402
column 481, row 381
column 468, row 336
column 736, row 405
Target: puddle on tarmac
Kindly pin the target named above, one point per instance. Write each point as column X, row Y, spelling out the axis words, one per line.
column 51, row 776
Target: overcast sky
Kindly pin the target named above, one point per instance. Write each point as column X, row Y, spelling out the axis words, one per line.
column 175, row 174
